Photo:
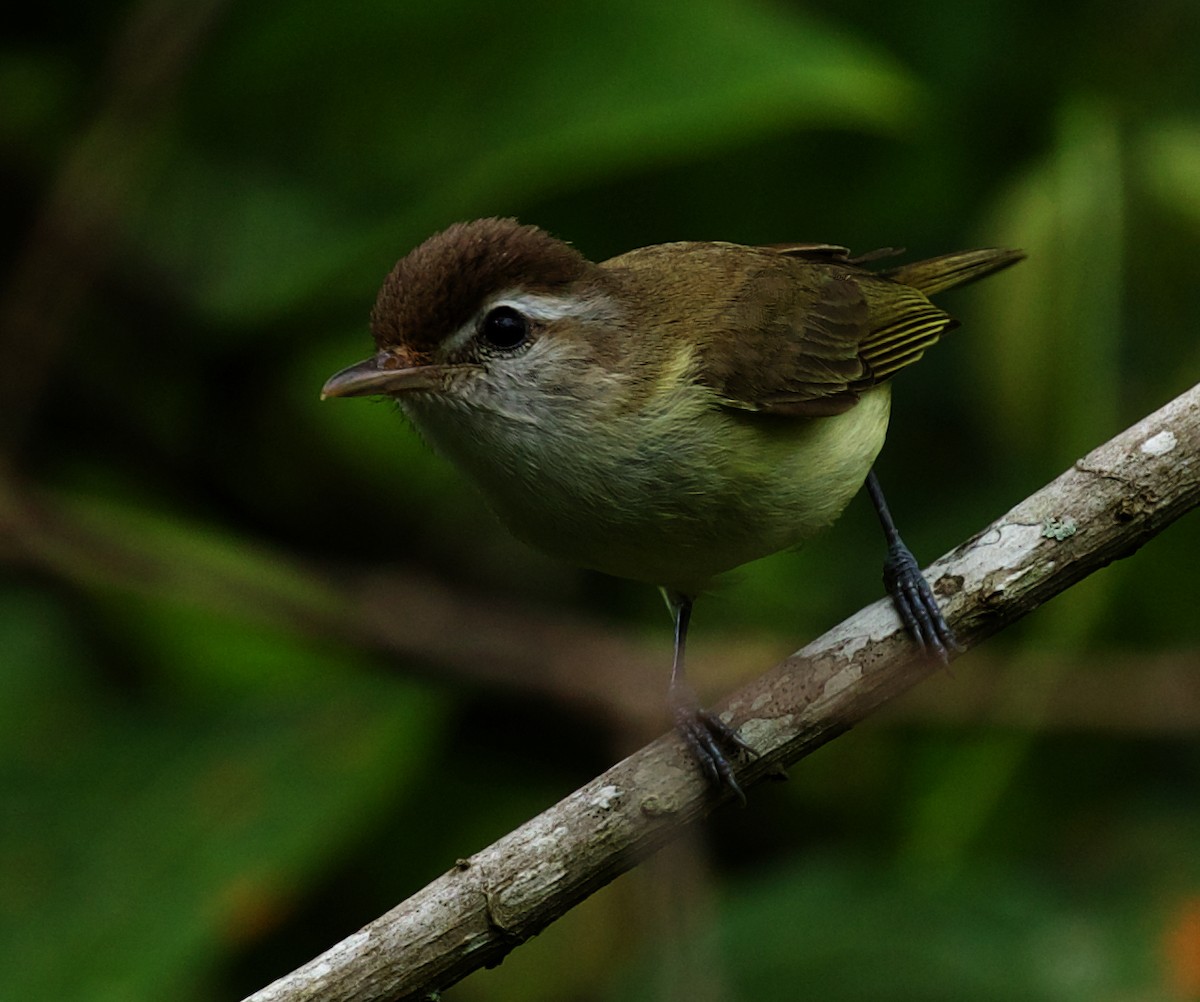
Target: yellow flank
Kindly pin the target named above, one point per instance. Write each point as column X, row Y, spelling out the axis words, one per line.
column 678, row 370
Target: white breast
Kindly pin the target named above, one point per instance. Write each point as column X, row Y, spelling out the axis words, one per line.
column 673, row 493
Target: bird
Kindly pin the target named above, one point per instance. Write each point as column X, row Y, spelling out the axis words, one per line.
column 668, row 414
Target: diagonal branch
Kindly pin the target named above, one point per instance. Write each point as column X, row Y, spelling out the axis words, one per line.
column 1103, row 508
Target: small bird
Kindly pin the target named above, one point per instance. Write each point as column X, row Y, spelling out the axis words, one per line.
column 668, row 414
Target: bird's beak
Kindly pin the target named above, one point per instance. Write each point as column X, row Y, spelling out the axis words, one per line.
column 385, row 373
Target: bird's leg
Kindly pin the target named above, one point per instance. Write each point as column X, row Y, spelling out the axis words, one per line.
column 906, row 584
column 702, row 730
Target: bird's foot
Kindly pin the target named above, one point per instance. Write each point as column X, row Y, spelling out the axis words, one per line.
column 708, row 738
column 915, row 602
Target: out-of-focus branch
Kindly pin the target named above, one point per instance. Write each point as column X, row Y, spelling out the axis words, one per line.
column 558, row 656
column 1132, row 694
column 415, row 620
column 561, row 657
column 1106, row 506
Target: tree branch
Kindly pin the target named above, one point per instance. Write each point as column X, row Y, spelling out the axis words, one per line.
column 1103, row 508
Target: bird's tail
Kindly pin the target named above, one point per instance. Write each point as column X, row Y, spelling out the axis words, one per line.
column 936, row 274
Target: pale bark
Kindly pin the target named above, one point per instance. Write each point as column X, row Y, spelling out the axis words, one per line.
column 1103, row 508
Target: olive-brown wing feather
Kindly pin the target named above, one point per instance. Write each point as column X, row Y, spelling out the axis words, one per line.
column 811, row 339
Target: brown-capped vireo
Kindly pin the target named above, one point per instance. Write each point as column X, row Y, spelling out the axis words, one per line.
column 668, row 414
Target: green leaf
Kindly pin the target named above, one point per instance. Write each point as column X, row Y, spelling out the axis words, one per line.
column 852, row 932
column 143, row 840
column 1049, row 368
column 318, row 148
column 1169, row 157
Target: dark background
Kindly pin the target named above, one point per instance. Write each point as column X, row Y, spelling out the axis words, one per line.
column 267, row 666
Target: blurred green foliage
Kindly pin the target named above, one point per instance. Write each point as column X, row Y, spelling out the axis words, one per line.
column 206, row 777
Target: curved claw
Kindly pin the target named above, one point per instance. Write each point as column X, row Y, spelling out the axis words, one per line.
column 704, row 733
column 916, row 604
column 707, row 738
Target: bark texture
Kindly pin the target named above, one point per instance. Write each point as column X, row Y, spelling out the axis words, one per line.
column 1103, row 508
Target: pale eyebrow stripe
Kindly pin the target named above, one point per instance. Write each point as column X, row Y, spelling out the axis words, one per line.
column 537, row 306
column 548, row 307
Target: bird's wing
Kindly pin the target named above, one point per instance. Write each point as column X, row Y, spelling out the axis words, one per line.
column 832, row 252
column 818, row 252
column 810, row 333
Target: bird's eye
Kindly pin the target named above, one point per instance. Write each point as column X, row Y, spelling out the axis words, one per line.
column 504, row 328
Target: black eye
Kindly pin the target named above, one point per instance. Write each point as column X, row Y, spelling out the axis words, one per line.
column 504, row 328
